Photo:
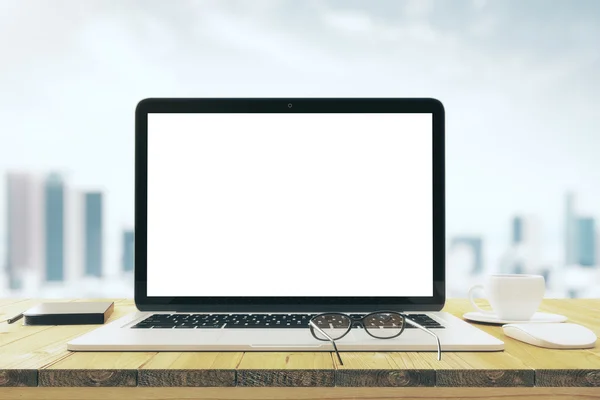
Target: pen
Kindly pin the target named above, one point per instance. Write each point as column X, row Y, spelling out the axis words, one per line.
column 15, row 318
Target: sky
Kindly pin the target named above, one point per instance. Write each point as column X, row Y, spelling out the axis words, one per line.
column 520, row 81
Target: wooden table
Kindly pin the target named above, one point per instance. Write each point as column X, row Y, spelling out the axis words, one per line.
column 34, row 363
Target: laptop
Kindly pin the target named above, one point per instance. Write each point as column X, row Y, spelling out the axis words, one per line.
column 254, row 215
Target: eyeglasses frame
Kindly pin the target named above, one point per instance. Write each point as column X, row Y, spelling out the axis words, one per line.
column 354, row 321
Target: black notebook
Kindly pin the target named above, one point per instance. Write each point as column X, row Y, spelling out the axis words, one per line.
column 68, row 313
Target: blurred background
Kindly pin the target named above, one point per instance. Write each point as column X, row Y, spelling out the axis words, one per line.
column 520, row 80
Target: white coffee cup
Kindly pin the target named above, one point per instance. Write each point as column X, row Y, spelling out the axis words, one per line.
column 514, row 297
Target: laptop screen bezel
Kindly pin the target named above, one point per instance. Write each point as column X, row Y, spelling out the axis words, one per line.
column 289, row 105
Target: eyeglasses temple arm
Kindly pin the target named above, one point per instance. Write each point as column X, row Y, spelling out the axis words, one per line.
column 439, row 345
column 330, row 339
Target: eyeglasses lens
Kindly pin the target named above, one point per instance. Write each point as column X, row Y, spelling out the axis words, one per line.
column 334, row 325
column 384, row 325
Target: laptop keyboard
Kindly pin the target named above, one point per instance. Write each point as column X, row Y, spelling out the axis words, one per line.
column 245, row 321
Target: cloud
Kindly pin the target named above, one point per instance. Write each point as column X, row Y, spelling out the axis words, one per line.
column 415, row 9
column 349, row 21
column 480, row 4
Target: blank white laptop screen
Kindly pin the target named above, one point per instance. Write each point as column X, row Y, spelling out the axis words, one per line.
column 290, row 205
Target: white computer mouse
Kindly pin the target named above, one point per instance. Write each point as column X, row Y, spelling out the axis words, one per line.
column 552, row 335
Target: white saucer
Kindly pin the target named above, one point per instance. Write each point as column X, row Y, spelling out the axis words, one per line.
column 538, row 317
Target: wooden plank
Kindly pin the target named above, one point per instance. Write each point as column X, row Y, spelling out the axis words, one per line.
column 13, row 308
column 590, row 304
column 16, row 331
column 573, row 304
column 470, row 369
column 573, row 367
column 337, row 393
column 18, row 377
column 420, row 368
column 194, row 360
column 187, row 377
column 281, row 360
column 576, row 314
column 35, row 347
column 285, row 378
column 580, row 312
column 485, row 378
column 428, row 360
column 201, row 369
column 103, row 360
column 384, row 378
column 95, row 369
column 486, row 369
column 286, row 369
column 39, row 349
column 12, row 333
column 511, row 368
column 568, row 378
column 532, row 356
column 9, row 300
column 365, row 361
column 88, row 377
column 379, row 370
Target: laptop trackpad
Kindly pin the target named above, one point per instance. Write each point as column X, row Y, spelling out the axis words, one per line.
column 273, row 338
column 269, row 338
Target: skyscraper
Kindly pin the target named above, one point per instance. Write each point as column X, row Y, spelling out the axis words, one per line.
column 524, row 254
column 475, row 243
column 24, row 244
column 586, row 243
column 54, row 201
column 570, row 227
column 128, row 242
column 74, row 236
column 93, row 233
column 517, row 230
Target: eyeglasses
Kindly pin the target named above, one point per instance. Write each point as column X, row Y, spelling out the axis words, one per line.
column 329, row 327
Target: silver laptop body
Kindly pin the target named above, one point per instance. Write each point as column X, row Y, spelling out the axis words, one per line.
column 253, row 215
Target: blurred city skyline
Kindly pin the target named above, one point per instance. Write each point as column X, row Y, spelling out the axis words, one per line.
column 56, row 240
column 520, row 82
column 56, row 235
